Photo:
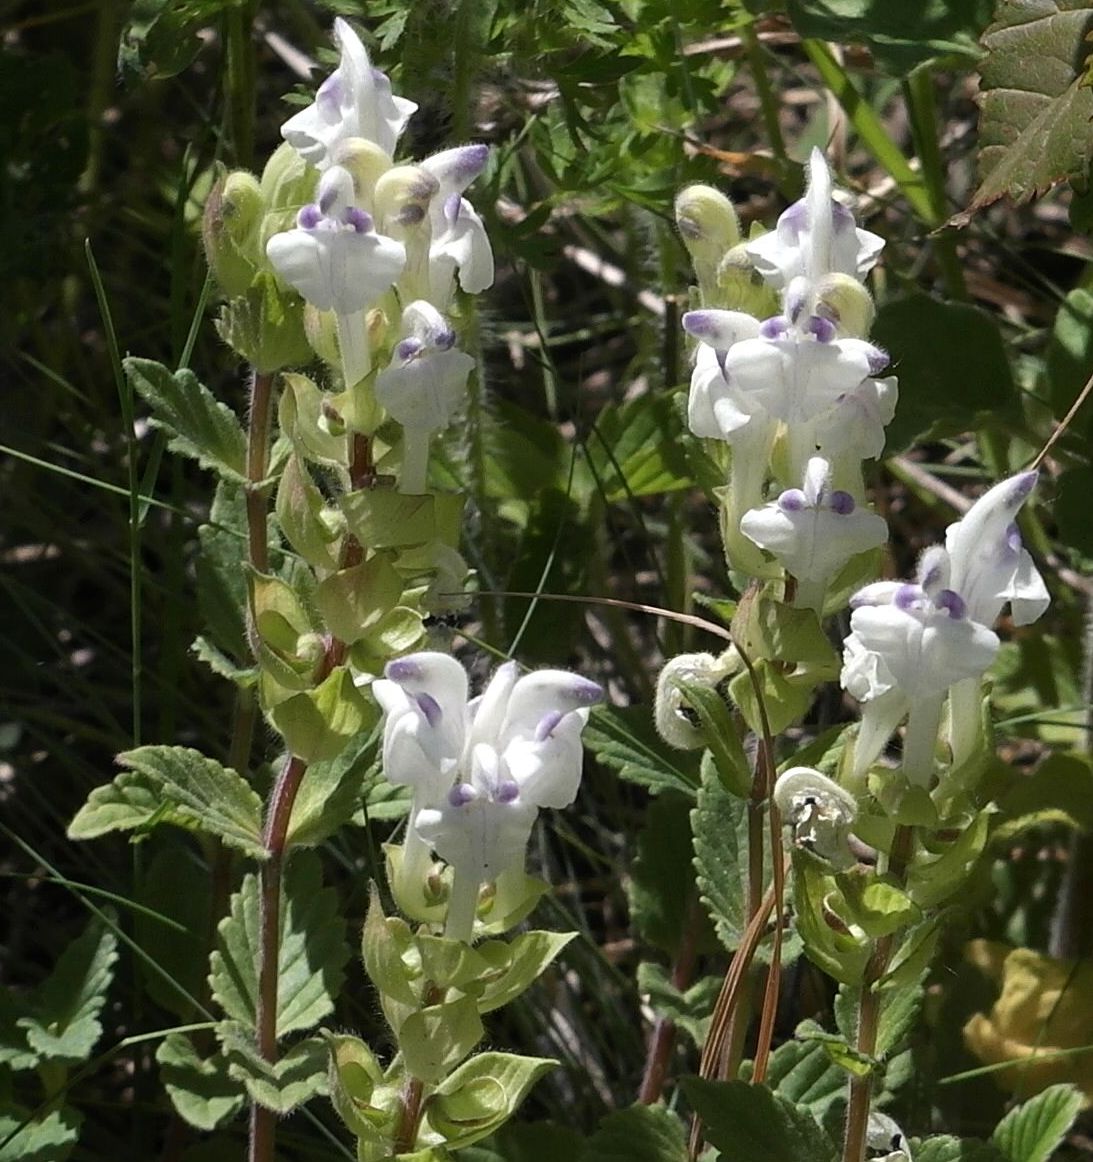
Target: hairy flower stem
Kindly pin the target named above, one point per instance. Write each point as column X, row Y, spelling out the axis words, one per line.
column 861, row 1088
column 271, row 874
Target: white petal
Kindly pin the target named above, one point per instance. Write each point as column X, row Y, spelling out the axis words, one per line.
column 340, row 270
column 549, row 772
column 543, row 695
column 425, row 393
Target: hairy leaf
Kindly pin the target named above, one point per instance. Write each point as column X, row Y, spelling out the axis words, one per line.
column 1031, row 1132
column 297, row 1075
column 624, row 738
column 64, row 1022
column 199, row 426
column 312, row 953
column 1036, row 104
column 200, row 1089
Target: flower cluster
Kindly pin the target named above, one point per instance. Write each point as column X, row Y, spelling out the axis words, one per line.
column 799, row 390
column 911, row 642
column 480, row 770
column 400, row 238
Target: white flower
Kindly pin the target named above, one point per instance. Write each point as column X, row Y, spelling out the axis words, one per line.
column 920, row 633
column 482, row 769
column 354, row 101
column 990, row 566
column 814, row 531
column 424, row 384
column 814, row 237
column 334, row 257
column 459, row 246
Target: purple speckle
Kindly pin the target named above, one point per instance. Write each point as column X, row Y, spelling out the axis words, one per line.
column 411, row 214
column 795, row 299
column 794, row 217
column 823, row 329
column 403, row 670
column 452, row 204
column 309, row 217
column 792, row 500
column 508, row 790
column 586, row 692
column 471, row 162
column 841, row 216
column 1022, row 486
column 878, row 360
column 547, row 724
column 907, row 597
column 462, row 794
column 408, row 348
column 842, row 502
column 1013, row 539
column 952, row 603
column 444, row 340
column 774, row 327
column 359, row 219
column 329, row 96
column 430, row 707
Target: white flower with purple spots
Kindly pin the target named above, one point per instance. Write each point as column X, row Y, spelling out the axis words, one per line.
column 813, row 531
column 423, row 386
column 338, row 262
column 354, row 101
column 482, row 769
column 814, row 237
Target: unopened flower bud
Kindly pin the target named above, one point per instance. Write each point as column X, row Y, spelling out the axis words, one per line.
column 675, row 720
column 709, row 227
column 229, row 231
column 367, row 163
column 843, row 300
column 287, row 184
column 402, row 199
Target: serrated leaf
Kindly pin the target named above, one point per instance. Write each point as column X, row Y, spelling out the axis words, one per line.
column 294, row 1078
column 641, row 1133
column 690, row 1010
column 130, row 802
column 221, row 581
column 749, row 1121
column 200, row 1089
column 900, row 35
column 199, row 426
column 635, row 450
column 203, row 794
column 14, row 1051
column 481, row 1095
column 803, row 1072
column 623, row 738
column 951, row 363
column 312, row 952
column 1035, row 102
column 1032, row 1131
column 64, row 1023
column 49, row 1140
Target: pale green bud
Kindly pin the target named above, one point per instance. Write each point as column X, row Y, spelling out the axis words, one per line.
column 402, row 199
column 366, row 163
column 288, row 184
column 739, row 287
column 675, row 720
column 709, row 227
column 229, row 230
column 843, row 300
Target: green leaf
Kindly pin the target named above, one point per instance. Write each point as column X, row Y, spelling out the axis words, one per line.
column 634, row 449
column 1073, row 489
column 1032, row 1131
column 436, row 1038
column 660, row 887
column 749, row 1121
column 803, row 1073
column 900, row 35
column 721, row 736
column 521, row 962
column 299, row 507
column 481, row 1095
column 318, row 724
column 180, row 949
column 822, row 926
column 130, row 802
column 946, row 1148
column 221, row 582
column 200, row 792
column 624, row 738
column 1059, row 792
column 381, row 519
column 352, row 601
column 690, row 1010
column 200, row 1089
column 951, row 364
column 641, row 1133
column 1068, row 361
column 64, row 1022
column 50, row 1140
column 1035, row 101
column 294, row 1078
column 365, row 1101
column 330, row 792
column 875, row 903
column 199, row 425
column 312, row 951
column 299, row 412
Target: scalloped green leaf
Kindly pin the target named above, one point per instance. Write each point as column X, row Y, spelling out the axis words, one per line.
column 294, row 1078
column 623, row 738
column 199, row 426
column 1035, row 100
column 50, row 1140
column 200, row 1089
column 1032, row 1131
column 312, row 955
column 196, row 790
